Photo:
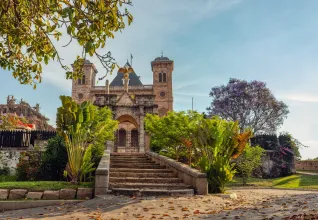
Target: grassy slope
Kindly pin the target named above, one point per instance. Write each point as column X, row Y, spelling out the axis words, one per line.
column 297, row 181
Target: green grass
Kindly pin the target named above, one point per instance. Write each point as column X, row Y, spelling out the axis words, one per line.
column 5, row 178
column 42, row 185
column 297, row 181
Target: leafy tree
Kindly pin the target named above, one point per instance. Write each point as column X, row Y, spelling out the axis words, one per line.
column 82, row 126
column 54, row 159
column 172, row 133
column 218, row 142
column 287, row 140
column 252, row 104
column 250, row 159
column 30, row 30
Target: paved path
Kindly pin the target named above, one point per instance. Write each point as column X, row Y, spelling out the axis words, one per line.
column 307, row 173
column 251, row 204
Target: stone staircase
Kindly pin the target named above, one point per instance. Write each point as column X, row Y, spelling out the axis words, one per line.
column 134, row 174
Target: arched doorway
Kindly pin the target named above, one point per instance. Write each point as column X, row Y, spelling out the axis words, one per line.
column 127, row 135
column 121, row 137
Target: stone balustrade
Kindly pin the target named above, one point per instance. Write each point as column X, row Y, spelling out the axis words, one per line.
column 189, row 175
column 102, row 174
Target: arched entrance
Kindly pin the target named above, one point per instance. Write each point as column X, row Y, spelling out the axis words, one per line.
column 127, row 135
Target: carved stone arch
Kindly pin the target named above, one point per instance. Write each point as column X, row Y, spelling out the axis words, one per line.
column 128, row 118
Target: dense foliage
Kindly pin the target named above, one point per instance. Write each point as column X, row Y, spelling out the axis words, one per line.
column 54, row 160
column 218, row 142
column 252, row 104
column 30, row 31
column 29, row 165
column 250, row 159
column 207, row 144
column 85, row 129
column 170, row 133
column 11, row 121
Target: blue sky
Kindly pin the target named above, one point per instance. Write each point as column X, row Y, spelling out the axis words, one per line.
column 211, row 41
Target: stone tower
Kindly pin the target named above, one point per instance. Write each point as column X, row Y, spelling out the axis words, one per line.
column 162, row 68
column 81, row 87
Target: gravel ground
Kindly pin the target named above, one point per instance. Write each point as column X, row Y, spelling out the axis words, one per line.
column 250, row 204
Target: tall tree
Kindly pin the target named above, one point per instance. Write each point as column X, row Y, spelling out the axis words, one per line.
column 252, row 104
column 29, row 31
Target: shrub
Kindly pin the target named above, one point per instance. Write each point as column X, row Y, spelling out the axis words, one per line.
column 250, row 159
column 54, row 160
column 218, row 142
column 29, row 165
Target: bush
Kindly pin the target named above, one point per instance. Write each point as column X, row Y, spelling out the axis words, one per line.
column 250, row 159
column 54, row 160
column 4, row 171
column 29, row 165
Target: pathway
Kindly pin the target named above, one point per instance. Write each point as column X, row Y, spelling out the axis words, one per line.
column 251, row 204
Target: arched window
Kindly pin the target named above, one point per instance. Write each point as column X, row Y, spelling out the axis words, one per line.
column 164, row 77
column 81, row 81
column 160, row 77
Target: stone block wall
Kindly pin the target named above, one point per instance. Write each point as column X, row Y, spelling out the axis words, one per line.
column 310, row 165
column 189, row 175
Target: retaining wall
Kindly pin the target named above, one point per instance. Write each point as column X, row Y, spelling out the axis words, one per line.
column 189, row 175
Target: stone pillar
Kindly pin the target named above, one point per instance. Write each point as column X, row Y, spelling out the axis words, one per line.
column 128, row 140
column 141, row 130
column 110, row 146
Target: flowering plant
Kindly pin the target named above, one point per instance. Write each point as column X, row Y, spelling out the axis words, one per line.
column 11, row 121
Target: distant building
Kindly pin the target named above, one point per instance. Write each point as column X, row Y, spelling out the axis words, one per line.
column 129, row 99
column 32, row 114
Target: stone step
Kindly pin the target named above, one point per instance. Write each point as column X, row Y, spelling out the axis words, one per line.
column 139, row 166
column 127, row 154
column 132, row 162
column 134, row 170
column 142, row 175
column 143, row 180
column 128, row 158
column 150, row 185
column 152, row 192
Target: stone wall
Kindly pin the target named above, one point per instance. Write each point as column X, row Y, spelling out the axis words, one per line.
column 189, row 175
column 66, row 194
column 307, row 165
column 9, row 157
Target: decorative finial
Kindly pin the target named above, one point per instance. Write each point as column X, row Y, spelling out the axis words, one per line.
column 131, row 58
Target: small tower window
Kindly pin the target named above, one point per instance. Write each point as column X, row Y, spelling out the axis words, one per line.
column 160, row 77
column 81, row 81
column 164, row 77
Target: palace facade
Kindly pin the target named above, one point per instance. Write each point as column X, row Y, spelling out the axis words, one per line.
column 129, row 99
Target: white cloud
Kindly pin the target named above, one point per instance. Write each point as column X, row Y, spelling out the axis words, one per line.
column 301, row 97
column 154, row 22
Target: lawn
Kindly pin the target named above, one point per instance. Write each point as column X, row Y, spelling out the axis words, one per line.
column 297, row 181
column 42, row 185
